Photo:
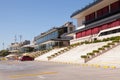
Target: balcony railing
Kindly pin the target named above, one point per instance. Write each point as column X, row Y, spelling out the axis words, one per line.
column 102, row 17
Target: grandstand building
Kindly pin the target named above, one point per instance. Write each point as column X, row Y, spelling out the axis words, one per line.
column 100, row 17
column 55, row 37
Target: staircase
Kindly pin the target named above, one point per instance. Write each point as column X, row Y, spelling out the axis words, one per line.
column 73, row 55
column 110, row 57
column 102, row 50
column 44, row 56
column 63, row 51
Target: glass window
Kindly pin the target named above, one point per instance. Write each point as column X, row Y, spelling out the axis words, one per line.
column 52, row 35
column 110, row 32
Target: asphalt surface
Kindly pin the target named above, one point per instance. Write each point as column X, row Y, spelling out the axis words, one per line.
column 33, row 70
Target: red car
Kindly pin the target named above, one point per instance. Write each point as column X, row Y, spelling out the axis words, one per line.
column 26, row 58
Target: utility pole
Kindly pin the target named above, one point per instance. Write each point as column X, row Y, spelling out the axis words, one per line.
column 15, row 38
column 3, row 45
column 20, row 36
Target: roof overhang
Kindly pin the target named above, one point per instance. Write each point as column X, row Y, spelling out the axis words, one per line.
column 91, row 8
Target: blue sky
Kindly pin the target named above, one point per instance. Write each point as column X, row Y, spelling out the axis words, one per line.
column 31, row 17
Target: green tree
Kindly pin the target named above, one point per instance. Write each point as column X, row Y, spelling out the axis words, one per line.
column 4, row 53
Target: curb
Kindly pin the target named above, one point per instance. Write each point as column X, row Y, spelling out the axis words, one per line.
column 89, row 65
column 86, row 65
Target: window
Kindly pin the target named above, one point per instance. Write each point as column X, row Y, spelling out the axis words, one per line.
column 110, row 32
column 71, row 29
column 103, row 11
column 115, row 6
column 90, row 17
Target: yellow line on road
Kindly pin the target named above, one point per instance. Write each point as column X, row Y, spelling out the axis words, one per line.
column 28, row 75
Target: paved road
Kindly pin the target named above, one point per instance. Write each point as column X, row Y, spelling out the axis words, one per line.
column 16, row 70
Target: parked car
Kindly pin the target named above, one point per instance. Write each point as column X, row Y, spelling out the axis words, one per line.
column 26, row 58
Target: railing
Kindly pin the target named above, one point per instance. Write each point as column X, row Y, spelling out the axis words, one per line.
column 102, row 17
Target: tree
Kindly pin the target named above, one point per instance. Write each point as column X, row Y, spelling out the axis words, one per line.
column 4, row 53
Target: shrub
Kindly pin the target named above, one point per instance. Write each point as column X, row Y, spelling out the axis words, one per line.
column 95, row 51
column 114, row 41
column 82, row 42
column 101, row 48
column 112, row 38
column 106, row 46
column 62, row 51
column 56, row 53
column 4, row 53
column 72, row 45
column 115, row 38
column 78, row 43
column 90, row 54
column 110, row 43
column 66, row 49
column 49, row 57
column 3, row 58
column 86, row 42
column 106, row 39
column 95, row 41
column 53, row 55
column 59, row 52
column 84, row 56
